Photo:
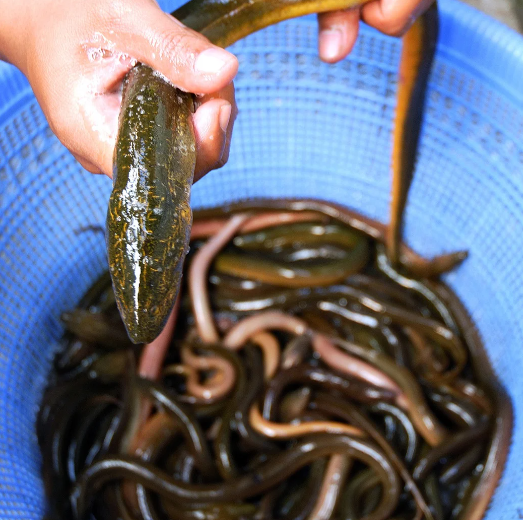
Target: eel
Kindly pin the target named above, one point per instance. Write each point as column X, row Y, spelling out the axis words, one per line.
column 149, row 217
column 419, row 48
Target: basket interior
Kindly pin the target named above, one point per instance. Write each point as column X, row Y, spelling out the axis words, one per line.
column 306, row 129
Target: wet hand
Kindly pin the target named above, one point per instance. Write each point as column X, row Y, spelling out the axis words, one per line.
column 76, row 54
column 338, row 30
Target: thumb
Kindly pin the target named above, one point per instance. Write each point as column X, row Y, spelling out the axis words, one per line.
column 186, row 58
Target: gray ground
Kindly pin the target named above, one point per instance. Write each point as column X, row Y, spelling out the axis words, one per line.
column 504, row 10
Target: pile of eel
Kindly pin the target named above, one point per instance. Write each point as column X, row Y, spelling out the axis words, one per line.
column 301, row 376
column 309, row 367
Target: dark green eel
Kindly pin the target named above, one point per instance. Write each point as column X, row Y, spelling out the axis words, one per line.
column 149, row 217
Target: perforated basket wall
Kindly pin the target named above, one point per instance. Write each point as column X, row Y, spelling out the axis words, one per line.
column 305, row 129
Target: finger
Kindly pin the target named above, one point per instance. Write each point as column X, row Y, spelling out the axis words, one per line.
column 394, row 17
column 228, row 94
column 88, row 165
column 211, row 122
column 338, row 34
column 100, row 120
column 185, row 57
column 226, row 149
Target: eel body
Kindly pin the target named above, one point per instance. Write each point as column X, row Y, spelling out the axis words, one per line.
column 149, row 217
column 419, row 48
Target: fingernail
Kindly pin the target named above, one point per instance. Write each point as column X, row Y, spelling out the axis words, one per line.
column 225, row 116
column 212, row 61
column 330, row 43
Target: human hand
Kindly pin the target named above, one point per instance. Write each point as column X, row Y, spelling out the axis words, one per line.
column 338, row 30
column 75, row 54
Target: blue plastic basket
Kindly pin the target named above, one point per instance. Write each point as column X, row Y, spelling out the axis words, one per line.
column 305, row 129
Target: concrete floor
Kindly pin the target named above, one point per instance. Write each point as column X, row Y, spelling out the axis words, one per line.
column 503, row 10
